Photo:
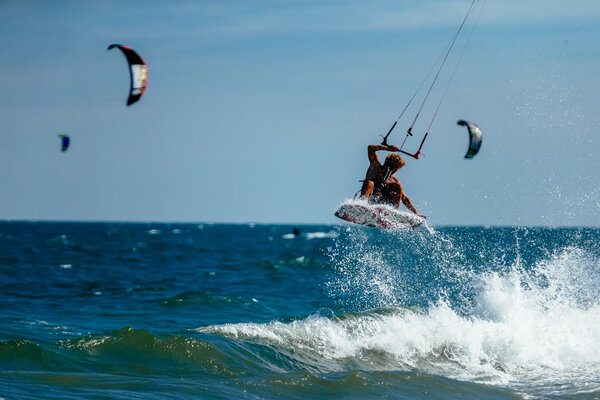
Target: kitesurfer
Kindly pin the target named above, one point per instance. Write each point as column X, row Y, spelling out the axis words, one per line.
column 380, row 185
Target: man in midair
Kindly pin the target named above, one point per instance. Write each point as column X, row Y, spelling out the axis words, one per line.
column 380, row 185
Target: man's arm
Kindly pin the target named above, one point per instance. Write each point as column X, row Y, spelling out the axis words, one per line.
column 406, row 201
column 374, row 148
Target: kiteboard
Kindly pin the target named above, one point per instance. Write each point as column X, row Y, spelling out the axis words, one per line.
column 377, row 215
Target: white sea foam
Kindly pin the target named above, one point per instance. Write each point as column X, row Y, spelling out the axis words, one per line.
column 321, row 235
column 311, row 235
column 536, row 331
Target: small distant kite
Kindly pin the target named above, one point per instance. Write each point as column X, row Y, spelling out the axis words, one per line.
column 64, row 141
column 138, row 73
column 474, row 137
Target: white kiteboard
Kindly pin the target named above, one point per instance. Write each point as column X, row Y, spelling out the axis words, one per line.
column 377, row 215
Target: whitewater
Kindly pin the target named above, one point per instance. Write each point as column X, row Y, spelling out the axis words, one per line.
column 533, row 326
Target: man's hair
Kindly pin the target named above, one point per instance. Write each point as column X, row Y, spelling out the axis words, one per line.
column 394, row 161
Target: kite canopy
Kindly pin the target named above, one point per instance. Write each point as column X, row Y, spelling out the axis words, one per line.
column 138, row 72
column 474, row 137
column 64, row 140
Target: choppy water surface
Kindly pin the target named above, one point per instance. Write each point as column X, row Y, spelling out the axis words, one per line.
column 101, row 310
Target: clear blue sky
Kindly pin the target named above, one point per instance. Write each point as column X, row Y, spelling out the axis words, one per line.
column 261, row 111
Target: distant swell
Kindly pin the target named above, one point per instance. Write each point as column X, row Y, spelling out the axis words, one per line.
column 25, row 355
column 126, row 349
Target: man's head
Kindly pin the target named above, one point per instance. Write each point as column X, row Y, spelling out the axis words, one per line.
column 394, row 162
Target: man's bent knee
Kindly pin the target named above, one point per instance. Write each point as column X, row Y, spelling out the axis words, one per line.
column 367, row 187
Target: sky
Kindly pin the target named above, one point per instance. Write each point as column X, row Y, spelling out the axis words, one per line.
column 261, row 111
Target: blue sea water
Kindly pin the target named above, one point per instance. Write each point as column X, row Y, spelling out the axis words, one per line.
column 191, row 311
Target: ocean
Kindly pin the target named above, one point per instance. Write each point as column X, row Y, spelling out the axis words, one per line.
column 251, row 311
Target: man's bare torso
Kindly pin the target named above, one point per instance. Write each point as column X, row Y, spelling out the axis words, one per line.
column 376, row 172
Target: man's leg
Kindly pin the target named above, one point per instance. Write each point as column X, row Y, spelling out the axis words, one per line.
column 367, row 189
